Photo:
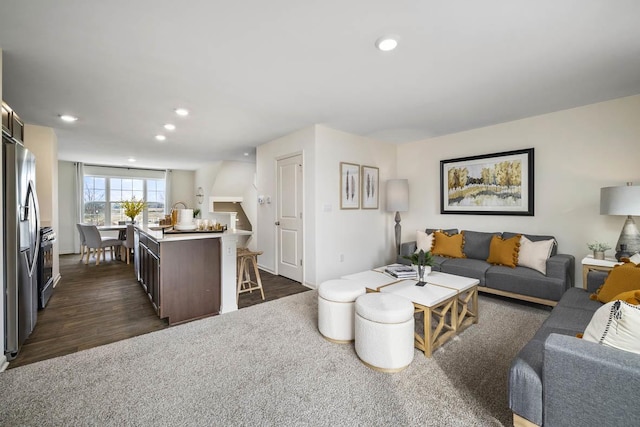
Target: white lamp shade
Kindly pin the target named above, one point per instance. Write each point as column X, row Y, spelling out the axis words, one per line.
column 623, row 200
column 397, row 195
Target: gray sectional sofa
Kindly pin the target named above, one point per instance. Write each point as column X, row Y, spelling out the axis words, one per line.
column 560, row 380
column 519, row 282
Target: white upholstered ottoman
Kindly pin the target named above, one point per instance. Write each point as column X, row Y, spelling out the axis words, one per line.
column 384, row 331
column 335, row 308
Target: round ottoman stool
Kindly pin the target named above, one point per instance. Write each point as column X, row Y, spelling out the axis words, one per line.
column 335, row 308
column 384, row 331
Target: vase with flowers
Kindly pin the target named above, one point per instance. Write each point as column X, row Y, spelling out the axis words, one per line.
column 598, row 249
column 423, row 262
column 132, row 208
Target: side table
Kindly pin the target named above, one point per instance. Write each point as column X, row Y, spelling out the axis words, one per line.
column 589, row 263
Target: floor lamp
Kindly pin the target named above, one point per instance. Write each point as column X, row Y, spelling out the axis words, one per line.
column 397, row 201
column 624, row 200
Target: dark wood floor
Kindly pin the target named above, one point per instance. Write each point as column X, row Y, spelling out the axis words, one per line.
column 96, row 305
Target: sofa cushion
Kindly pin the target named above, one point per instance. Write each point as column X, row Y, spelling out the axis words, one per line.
column 424, row 241
column 573, row 320
column 578, row 298
column 476, row 244
column 631, row 297
column 448, row 246
column 616, row 324
column 534, row 238
column 466, row 267
column 449, row 231
column 504, row 251
column 622, row 278
column 524, row 281
column 535, row 254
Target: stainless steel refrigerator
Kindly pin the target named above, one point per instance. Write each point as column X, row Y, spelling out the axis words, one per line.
column 21, row 243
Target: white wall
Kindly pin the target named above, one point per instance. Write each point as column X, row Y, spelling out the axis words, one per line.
column 362, row 236
column 182, row 188
column 267, row 155
column 66, row 208
column 577, row 152
column 43, row 143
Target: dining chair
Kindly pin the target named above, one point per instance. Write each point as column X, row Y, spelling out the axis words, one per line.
column 98, row 243
column 128, row 241
column 83, row 244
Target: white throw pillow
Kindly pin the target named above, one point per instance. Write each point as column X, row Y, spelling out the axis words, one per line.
column 635, row 258
column 424, row 241
column 535, row 254
column 616, row 324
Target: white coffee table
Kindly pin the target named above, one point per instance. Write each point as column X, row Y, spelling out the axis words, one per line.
column 467, row 301
column 372, row 279
column 433, row 302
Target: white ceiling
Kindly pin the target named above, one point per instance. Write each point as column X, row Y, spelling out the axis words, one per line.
column 254, row 70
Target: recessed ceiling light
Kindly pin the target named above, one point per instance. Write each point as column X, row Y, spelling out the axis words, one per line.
column 387, row 43
column 68, row 118
column 169, row 126
column 161, row 137
column 131, row 159
column 182, row 112
column 246, row 154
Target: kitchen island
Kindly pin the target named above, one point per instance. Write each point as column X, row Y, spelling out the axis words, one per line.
column 187, row 276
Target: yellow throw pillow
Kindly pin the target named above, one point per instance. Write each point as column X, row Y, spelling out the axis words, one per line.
column 449, row 246
column 622, row 278
column 504, row 251
column 631, row 297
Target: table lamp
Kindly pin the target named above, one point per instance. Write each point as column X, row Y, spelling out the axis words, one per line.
column 623, row 200
column 397, row 201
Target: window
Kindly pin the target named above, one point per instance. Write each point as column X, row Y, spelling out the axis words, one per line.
column 94, row 200
column 101, row 192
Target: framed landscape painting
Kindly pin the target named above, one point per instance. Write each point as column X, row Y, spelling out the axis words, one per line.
column 369, row 186
column 490, row 184
column 349, row 186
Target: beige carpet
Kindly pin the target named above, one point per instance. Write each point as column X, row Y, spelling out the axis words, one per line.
column 267, row 365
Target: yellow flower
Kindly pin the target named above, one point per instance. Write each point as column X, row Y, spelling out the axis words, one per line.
column 133, row 207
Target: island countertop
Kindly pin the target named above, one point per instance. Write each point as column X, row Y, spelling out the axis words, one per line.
column 157, row 234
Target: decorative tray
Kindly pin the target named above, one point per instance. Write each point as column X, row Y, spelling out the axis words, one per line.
column 174, row 231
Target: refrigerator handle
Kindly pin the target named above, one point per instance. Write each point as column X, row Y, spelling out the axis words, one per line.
column 31, row 193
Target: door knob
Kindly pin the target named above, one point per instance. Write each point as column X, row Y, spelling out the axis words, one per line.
column 277, row 222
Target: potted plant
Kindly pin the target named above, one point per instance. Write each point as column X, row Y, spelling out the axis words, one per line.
column 133, row 207
column 423, row 261
column 598, row 249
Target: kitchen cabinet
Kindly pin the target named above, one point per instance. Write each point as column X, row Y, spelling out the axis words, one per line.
column 149, row 268
column 182, row 278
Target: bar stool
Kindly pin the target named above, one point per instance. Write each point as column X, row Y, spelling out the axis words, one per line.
column 245, row 257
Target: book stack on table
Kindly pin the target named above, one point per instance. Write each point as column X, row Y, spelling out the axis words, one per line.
column 401, row 271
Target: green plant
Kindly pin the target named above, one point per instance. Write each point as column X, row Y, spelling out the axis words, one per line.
column 598, row 246
column 133, row 207
column 196, row 213
column 421, row 258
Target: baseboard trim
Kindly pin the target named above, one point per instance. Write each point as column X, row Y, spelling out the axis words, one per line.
column 548, row 302
column 56, row 280
column 3, row 363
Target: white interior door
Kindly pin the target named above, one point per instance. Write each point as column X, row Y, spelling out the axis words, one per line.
column 289, row 218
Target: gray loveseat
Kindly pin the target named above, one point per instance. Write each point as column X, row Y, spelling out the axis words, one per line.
column 560, row 380
column 519, row 282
